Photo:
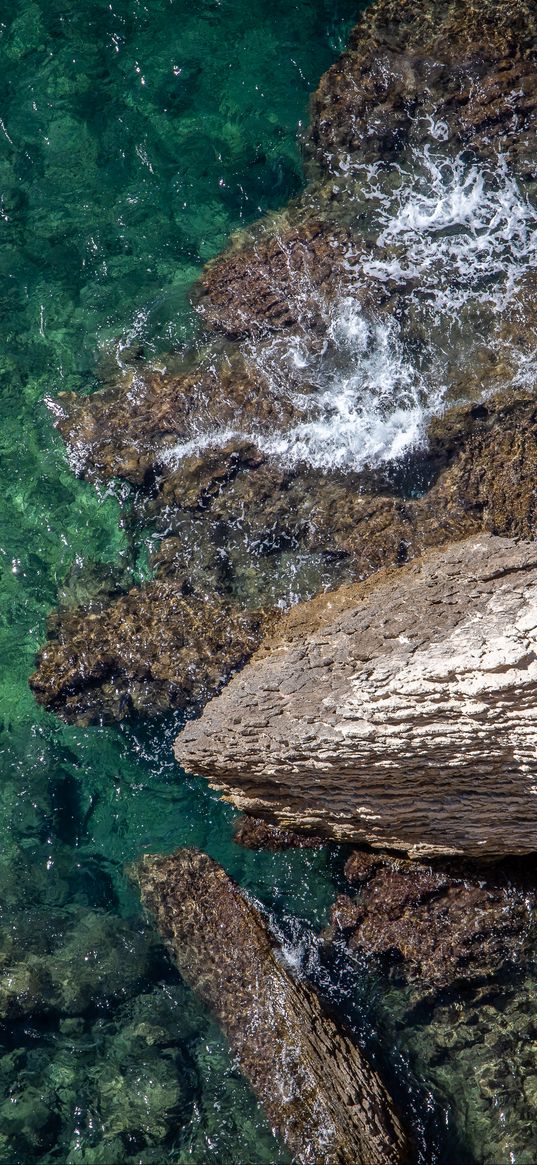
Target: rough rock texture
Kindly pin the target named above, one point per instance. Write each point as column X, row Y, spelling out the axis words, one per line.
column 194, row 433
column 470, row 67
column 399, row 712
column 254, row 833
column 318, row 1090
column 151, row 649
column 279, row 282
column 440, row 928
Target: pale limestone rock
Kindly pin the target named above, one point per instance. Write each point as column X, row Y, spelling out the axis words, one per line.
column 401, row 711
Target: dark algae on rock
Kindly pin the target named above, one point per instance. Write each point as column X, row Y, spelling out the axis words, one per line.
column 318, row 1089
column 316, row 467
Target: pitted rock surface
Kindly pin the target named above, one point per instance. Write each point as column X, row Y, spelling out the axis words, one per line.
column 437, row 928
column 152, row 649
column 315, row 1084
column 401, row 711
column 468, row 67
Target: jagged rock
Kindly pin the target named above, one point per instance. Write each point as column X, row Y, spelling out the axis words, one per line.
column 399, row 712
column 438, row 927
column 468, row 69
column 155, row 647
column 152, row 649
column 200, row 436
column 281, row 281
column 253, row 833
column 130, row 429
column 327, row 1102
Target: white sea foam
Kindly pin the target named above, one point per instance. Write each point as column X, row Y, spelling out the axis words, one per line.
column 454, row 240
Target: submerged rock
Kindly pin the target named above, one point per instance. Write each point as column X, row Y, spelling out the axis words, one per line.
column 151, row 649
column 101, row 961
column 317, row 1088
column 399, row 712
column 436, row 927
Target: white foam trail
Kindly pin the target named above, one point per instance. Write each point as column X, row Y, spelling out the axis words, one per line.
column 465, row 233
column 455, row 241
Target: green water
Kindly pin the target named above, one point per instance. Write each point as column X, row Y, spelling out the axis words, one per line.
column 134, row 138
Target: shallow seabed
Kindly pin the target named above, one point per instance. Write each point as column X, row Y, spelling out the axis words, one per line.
column 133, row 139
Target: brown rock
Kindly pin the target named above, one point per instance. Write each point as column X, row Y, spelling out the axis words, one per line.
column 442, row 929
column 284, row 280
column 470, row 68
column 254, row 833
column 318, row 1090
column 150, row 650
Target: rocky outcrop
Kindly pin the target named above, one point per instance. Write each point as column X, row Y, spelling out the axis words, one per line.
column 319, row 1091
column 433, row 927
column 249, row 533
column 398, row 712
column 467, row 69
column 254, row 833
column 322, row 307
column 151, row 649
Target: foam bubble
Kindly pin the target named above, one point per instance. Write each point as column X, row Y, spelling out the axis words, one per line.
column 453, row 241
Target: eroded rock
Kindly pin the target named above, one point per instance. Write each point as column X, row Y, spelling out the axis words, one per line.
column 364, row 387
column 398, row 712
column 151, row 649
column 316, row 1086
column 437, row 928
column 254, row 833
column 468, row 70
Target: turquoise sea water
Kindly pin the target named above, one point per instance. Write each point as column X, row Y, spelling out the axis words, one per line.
column 133, row 139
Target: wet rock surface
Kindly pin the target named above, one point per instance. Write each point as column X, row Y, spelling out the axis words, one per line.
column 407, row 68
column 397, row 712
column 252, row 535
column 436, row 928
column 253, row 833
column 303, row 442
column 151, row 649
column 316, row 1086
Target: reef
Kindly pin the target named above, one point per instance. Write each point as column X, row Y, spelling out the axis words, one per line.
column 361, row 388
column 315, row 1084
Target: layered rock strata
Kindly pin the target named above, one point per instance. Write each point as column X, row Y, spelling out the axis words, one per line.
column 317, row 1088
column 429, row 105
column 400, row 711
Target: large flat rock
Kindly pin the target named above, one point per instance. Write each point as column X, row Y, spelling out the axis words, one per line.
column 401, row 711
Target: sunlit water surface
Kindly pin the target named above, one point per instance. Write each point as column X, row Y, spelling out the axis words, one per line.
column 133, row 139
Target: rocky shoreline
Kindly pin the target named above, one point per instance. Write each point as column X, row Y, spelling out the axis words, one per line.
column 316, row 1086
column 369, row 620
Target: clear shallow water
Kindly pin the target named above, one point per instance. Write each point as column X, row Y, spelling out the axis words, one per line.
column 133, row 139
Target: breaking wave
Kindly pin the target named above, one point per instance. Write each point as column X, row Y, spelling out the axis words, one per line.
column 450, row 248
